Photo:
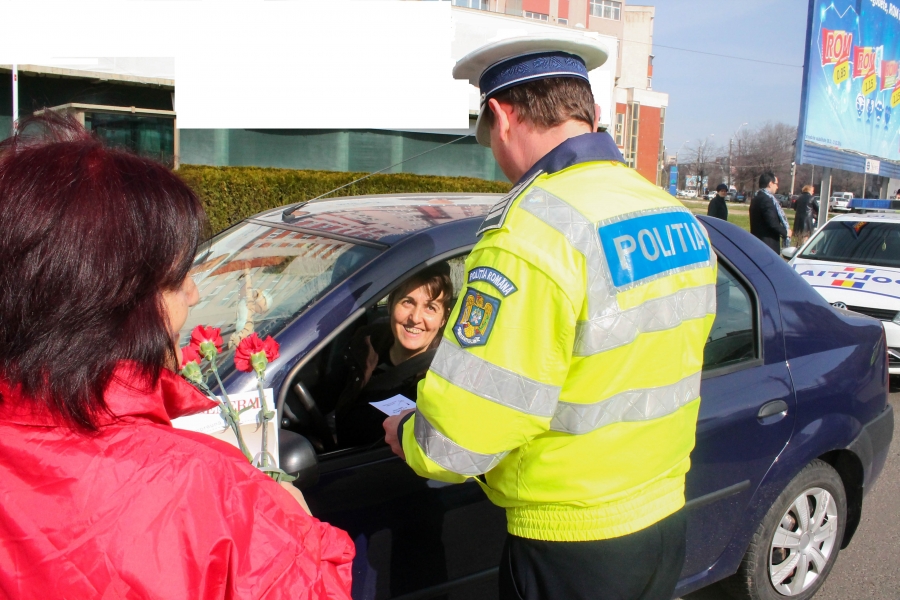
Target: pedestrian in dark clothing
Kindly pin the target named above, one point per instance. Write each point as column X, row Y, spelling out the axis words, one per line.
column 807, row 208
column 717, row 207
column 767, row 220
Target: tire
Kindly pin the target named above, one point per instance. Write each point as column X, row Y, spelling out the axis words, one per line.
column 820, row 488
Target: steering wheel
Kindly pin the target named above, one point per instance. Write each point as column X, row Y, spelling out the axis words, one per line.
column 320, row 425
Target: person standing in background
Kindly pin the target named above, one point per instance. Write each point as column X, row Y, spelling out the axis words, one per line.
column 806, row 210
column 767, row 220
column 717, row 207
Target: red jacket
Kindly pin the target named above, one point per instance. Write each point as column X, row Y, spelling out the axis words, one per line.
column 142, row 510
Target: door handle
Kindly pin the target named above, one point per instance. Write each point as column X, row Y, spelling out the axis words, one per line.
column 772, row 408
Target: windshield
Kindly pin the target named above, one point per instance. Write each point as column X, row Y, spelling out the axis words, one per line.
column 862, row 242
column 257, row 278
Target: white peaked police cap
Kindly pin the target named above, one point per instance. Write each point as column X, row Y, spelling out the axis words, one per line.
column 506, row 63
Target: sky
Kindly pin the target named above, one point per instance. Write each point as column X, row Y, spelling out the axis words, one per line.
column 715, row 94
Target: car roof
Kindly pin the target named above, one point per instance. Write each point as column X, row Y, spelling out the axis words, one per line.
column 872, row 217
column 384, row 218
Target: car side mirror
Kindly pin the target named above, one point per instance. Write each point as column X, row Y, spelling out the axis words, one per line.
column 789, row 252
column 297, row 457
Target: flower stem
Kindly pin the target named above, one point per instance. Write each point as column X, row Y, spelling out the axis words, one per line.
column 231, row 415
column 263, row 414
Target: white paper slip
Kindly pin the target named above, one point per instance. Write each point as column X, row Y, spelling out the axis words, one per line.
column 213, row 423
column 394, row 406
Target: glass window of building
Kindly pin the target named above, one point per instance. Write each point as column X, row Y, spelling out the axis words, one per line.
column 620, row 129
column 153, row 137
column 479, row 4
column 606, row 9
column 537, row 16
column 633, row 130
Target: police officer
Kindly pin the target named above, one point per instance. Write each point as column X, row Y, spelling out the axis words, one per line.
column 567, row 381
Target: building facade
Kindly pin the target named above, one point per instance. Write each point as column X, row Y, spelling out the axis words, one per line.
column 640, row 118
column 127, row 105
column 131, row 102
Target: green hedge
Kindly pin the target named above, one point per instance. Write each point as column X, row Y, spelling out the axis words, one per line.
column 230, row 194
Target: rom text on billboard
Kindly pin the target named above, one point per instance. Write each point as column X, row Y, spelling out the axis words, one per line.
column 853, row 86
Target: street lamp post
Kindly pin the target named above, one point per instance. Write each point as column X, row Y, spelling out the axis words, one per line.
column 700, row 150
column 15, row 99
column 676, row 156
column 729, row 153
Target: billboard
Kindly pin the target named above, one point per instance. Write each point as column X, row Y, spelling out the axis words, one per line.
column 851, row 86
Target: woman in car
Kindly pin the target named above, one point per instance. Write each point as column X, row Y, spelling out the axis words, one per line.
column 101, row 496
column 804, row 217
column 390, row 358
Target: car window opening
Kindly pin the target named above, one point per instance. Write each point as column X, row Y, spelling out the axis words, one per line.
column 355, row 368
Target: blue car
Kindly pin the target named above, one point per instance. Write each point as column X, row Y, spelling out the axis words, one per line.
column 794, row 423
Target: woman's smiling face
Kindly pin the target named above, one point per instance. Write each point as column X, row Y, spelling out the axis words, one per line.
column 416, row 318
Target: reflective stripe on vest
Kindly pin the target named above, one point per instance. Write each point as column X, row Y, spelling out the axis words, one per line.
column 488, row 381
column 594, row 335
column 450, row 455
column 632, row 405
column 620, row 328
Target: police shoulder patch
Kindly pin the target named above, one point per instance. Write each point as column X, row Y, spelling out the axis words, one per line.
column 477, row 314
column 497, row 215
column 493, row 277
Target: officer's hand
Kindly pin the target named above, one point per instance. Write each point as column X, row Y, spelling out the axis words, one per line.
column 390, row 432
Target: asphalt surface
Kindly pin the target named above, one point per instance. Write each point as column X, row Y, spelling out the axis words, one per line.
column 868, row 569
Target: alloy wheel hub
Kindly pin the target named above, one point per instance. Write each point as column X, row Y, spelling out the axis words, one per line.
column 803, row 542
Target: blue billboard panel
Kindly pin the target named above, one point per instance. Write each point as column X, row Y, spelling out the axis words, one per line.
column 851, row 85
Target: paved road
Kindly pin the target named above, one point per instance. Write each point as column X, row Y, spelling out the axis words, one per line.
column 869, row 568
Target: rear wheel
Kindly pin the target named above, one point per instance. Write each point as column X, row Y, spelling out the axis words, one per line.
column 797, row 543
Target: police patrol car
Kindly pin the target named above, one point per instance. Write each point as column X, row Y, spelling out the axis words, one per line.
column 854, row 262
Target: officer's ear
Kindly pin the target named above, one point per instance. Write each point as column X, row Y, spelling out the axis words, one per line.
column 502, row 118
column 596, row 116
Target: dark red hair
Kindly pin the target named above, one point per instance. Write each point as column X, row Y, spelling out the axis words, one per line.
column 90, row 237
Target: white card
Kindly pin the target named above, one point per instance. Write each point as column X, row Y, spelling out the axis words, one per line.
column 394, row 406
column 213, row 423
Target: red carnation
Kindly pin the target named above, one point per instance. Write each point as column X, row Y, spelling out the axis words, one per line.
column 190, row 354
column 253, row 354
column 207, row 340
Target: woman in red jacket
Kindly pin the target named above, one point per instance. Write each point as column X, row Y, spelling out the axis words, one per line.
column 99, row 496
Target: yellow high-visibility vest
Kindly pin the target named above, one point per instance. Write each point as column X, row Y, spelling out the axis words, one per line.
column 569, row 371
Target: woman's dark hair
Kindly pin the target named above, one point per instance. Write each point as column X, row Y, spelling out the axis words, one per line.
column 766, row 178
column 436, row 280
column 90, row 238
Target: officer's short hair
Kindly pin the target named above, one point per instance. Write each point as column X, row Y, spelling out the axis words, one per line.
column 546, row 103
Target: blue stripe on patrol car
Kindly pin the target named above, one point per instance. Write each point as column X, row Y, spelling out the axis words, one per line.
column 646, row 246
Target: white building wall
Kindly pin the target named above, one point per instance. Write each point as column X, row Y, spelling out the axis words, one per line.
column 637, row 45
